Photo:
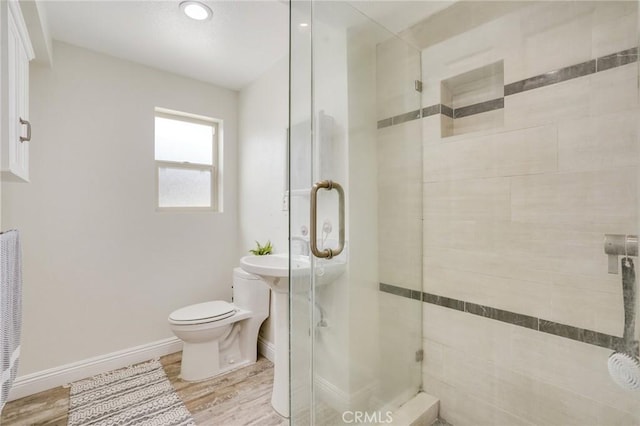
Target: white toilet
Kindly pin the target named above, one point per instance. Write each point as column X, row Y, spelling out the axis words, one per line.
column 219, row 336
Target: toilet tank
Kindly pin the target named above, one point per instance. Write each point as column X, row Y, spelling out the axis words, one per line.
column 250, row 292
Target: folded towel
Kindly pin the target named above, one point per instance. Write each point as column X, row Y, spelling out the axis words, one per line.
column 10, row 310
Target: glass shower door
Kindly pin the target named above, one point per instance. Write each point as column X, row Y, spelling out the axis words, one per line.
column 355, row 314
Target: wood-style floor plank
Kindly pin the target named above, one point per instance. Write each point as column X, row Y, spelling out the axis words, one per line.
column 239, row 398
column 45, row 408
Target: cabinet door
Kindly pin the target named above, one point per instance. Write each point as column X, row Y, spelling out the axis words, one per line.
column 18, row 101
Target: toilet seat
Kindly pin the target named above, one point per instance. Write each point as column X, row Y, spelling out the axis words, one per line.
column 202, row 313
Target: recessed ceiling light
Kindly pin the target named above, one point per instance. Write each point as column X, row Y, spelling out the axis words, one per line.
column 304, row 24
column 196, row 10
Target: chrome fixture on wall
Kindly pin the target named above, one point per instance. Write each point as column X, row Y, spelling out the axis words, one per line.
column 619, row 245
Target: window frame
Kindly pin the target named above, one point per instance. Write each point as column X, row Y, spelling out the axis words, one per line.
column 213, row 168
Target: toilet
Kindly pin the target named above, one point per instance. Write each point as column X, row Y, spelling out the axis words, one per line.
column 218, row 336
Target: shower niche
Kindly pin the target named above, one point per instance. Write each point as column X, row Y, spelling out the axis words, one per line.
column 473, row 101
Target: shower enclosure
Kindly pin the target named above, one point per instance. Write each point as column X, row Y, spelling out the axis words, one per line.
column 485, row 150
column 346, row 354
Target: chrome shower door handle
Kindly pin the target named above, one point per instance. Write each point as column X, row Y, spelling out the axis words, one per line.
column 313, row 238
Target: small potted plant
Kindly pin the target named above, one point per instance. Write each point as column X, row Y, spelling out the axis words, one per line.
column 262, row 250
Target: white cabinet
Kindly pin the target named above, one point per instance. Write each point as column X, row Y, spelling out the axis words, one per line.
column 14, row 157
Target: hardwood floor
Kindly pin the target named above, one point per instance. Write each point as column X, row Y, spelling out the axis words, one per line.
column 44, row 408
column 239, row 398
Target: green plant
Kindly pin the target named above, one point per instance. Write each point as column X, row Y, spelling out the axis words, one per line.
column 262, row 250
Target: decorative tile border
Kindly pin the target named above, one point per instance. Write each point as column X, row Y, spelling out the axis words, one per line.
column 433, row 110
column 398, row 291
column 618, row 59
column 551, row 77
column 602, row 63
column 449, row 112
column 538, row 324
column 444, row 110
column 385, row 123
column 478, row 108
column 447, row 302
column 398, row 119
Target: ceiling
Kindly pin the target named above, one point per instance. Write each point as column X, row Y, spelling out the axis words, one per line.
column 398, row 15
column 240, row 42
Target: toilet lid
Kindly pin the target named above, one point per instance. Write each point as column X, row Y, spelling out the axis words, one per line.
column 208, row 311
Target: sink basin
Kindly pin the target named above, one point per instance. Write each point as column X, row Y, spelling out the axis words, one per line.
column 327, row 271
column 273, row 267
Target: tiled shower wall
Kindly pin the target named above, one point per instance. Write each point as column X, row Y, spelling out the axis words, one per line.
column 519, row 312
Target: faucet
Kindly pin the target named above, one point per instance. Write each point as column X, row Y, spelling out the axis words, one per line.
column 304, row 243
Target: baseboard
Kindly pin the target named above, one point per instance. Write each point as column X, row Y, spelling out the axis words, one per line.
column 267, row 349
column 59, row 376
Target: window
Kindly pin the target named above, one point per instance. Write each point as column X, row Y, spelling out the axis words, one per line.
column 186, row 154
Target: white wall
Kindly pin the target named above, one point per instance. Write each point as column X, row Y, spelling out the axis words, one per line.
column 263, row 121
column 103, row 269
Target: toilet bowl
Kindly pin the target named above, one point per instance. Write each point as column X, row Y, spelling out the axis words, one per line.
column 219, row 336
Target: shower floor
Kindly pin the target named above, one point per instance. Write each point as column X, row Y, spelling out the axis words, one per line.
column 242, row 397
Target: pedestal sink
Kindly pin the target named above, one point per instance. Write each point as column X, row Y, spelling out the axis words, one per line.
column 274, row 269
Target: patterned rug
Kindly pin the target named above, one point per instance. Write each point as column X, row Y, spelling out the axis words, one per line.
column 139, row 395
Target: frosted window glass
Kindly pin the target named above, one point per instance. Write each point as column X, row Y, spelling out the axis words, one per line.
column 182, row 141
column 178, row 187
